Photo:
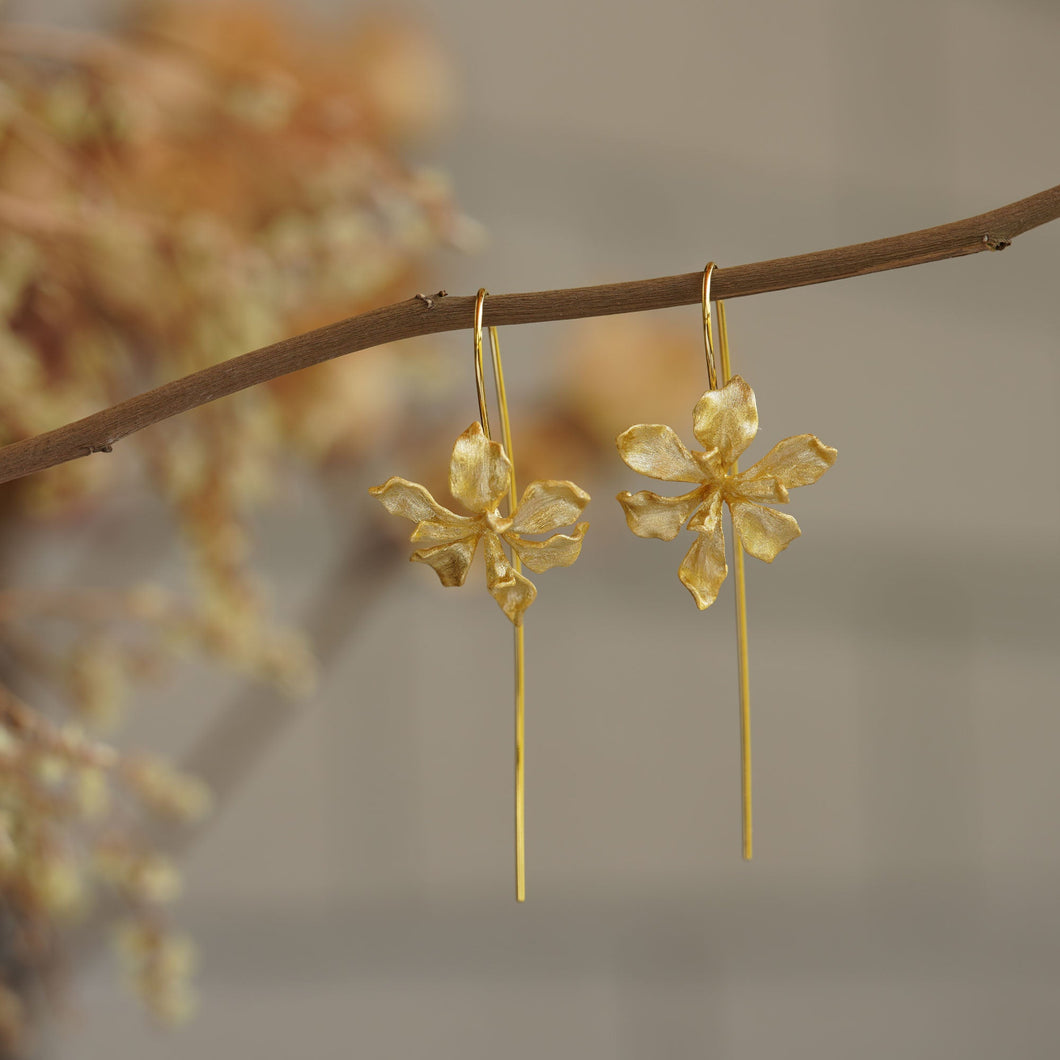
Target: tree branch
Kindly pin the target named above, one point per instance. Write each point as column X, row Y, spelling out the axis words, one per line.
column 424, row 316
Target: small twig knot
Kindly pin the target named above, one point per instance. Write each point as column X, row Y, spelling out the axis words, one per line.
column 428, row 300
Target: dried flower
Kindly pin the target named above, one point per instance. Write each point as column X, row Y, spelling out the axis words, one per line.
column 91, row 793
column 96, row 680
column 196, row 184
column 143, row 877
column 158, row 964
column 166, row 790
column 58, row 882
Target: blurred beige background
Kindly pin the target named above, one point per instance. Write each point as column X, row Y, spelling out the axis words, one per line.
column 355, row 898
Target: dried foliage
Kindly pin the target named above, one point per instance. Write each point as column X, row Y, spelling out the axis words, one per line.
column 201, row 182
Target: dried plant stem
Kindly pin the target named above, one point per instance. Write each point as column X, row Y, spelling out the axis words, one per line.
column 424, row 316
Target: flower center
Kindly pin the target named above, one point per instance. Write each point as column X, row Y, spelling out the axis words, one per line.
column 715, row 473
column 496, row 522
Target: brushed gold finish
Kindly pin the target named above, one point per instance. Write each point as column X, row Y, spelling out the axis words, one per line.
column 481, row 476
column 725, row 422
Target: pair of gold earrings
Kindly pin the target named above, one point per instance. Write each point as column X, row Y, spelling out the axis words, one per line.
column 482, row 475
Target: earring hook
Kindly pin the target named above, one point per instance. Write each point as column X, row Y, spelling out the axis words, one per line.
column 498, row 379
column 480, row 383
column 708, row 338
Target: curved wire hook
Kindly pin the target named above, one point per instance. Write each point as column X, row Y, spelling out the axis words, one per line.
column 498, row 378
column 708, row 338
column 480, row 382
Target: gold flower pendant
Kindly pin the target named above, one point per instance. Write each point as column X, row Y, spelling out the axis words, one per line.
column 480, row 478
column 725, row 421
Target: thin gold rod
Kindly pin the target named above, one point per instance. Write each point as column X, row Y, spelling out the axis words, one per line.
column 741, row 631
column 520, row 648
column 520, row 764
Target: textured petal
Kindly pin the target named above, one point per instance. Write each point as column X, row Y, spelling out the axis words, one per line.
column 509, row 588
column 708, row 516
column 655, row 450
column 435, row 532
column 758, row 488
column 412, row 501
column 796, row 461
column 650, row 515
column 548, row 505
column 704, row 568
column 559, row 550
column 714, row 468
column 451, row 561
column 727, row 419
column 763, row 532
column 480, row 473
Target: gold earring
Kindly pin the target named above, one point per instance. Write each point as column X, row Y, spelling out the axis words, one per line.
column 481, row 475
column 724, row 421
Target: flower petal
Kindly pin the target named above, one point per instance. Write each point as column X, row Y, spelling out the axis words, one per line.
column 559, row 550
column 762, row 531
column 727, row 419
column 714, row 468
column 436, row 532
column 650, row 515
column 410, row 500
column 704, row 568
column 479, row 473
column 509, row 588
column 654, row 449
column 450, row 561
column 796, row 461
column 708, row 516
column 758, row 488
column 548, row 505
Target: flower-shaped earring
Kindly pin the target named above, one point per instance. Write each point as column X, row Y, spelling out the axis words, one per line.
column 725, row 422
column 481, row 475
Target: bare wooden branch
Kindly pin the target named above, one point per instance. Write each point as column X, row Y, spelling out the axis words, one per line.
column 421, row 315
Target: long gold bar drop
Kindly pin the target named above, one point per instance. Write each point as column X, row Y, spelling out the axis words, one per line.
column 520, row 649
column 741, row 630
column 520, row 739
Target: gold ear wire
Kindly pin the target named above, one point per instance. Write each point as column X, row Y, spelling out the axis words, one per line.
column 708, row 338
column 741, row 603
column 481, row 475
column 738, row 562
column 498, row 378
column 520, row 649
column 724, row 422
column 480, row 384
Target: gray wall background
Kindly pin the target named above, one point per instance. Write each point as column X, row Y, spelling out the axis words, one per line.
column 355, row 898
